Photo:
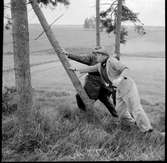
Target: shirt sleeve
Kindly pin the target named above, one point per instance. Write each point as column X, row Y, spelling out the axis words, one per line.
column 88, row 69
column 85, row 59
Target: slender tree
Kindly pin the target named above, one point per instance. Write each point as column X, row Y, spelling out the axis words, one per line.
column 97, row 23
column 111, row 20
column 118, row 28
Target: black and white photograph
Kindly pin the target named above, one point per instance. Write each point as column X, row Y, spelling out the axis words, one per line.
column 83, row 80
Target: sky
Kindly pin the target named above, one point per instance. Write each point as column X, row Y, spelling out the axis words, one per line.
column 151, row 12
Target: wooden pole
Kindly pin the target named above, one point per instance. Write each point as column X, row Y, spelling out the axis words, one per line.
column 118, row 29
column 97, row 23
column 51, row 36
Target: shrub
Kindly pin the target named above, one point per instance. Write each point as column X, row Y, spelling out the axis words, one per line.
column 9, row 100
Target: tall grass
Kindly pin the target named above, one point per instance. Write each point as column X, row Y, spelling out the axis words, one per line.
column 73, row 135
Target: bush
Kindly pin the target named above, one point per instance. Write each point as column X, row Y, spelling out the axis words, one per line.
column 9, row 100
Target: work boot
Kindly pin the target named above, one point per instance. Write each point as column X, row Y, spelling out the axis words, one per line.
column 80, row 103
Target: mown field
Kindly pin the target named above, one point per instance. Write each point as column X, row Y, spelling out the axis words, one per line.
column 63, row 132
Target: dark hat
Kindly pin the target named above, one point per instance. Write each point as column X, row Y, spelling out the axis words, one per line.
column 100, row 51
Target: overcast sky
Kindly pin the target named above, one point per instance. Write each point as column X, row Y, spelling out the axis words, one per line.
column 151, row 12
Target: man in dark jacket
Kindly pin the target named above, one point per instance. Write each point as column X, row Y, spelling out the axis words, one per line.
column 94, row 85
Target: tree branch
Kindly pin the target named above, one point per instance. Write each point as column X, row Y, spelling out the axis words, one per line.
column 49, row 26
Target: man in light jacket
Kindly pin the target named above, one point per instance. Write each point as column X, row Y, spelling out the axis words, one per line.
column 128, row 105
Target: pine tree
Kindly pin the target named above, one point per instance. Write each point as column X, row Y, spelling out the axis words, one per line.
column 108, row 19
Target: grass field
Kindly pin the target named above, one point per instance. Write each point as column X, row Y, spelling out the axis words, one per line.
column 75, row 37
column 67, row 134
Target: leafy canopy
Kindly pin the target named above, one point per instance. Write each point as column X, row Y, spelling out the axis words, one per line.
column 45, row 2
column 108, row 19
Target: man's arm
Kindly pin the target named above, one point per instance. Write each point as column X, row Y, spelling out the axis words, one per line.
column 124, row 73
column 86, row 59
column 87, row 69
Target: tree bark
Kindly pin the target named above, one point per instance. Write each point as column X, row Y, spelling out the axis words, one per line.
column 97, row 23
column 118, row 28
column 75, row 81
column 21, row 63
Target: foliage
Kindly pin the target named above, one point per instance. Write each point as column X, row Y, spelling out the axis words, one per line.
column 140, row 30
column 54, row 2
column 45, row 2
column 128, row 15
column 108, row 24
column 9, row 104
column 90, row 22
column 123, row 35
column 108, row 19
column 8, row 24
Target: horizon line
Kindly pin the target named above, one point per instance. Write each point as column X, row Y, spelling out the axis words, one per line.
column 82, row 25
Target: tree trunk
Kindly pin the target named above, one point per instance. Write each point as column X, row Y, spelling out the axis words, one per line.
column 97, row 23
column 75, row 81
column 118, row 28
column 21, row 63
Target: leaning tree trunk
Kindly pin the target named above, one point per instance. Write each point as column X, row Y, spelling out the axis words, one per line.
column 58, row 49
column 21, row 63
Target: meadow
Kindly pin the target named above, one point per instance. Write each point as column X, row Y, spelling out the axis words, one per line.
column 64, row 133
column 77, row 38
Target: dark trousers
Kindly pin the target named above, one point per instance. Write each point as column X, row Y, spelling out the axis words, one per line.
column 104, row 97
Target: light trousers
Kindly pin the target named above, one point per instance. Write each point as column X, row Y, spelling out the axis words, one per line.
column 128, row 104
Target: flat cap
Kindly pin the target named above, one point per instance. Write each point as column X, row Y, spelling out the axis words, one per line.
column 100, row 51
